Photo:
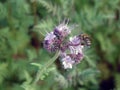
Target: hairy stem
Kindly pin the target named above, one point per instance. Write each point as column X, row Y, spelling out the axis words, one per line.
column 41, row 71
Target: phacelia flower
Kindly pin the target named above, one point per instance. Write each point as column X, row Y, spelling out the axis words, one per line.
column 75, row 40
column 51, row 43
column 67, row 62
column 76, row 57
column 62, row 30
column 76, row 49
column 75, row 45
column 70, row 47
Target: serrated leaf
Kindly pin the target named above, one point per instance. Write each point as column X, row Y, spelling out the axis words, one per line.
column 37, row 64
column 88, row 72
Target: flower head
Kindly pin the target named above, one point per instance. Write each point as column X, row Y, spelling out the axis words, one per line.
column 76, row 57
column 71, row 49
column 76, row 49
column 67, row 62
column 62, row 30
column 75, row 40
column 51, row 43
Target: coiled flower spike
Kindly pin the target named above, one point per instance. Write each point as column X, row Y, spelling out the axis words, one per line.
column 51, row 43
column 62, row 30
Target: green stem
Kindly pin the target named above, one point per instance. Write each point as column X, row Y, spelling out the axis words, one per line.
column 41, row 71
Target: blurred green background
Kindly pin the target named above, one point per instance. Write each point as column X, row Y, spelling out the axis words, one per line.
column 23, row 24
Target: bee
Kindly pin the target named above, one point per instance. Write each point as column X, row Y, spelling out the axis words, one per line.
column 85, row 40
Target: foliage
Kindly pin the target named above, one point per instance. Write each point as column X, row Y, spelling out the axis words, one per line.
column 23, row 25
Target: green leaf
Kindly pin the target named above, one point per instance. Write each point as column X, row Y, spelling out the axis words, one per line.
column 37, row 64
column 85, row 74
column 44, row 27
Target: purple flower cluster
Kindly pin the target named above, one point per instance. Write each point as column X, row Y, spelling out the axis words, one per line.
column 70, row 47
